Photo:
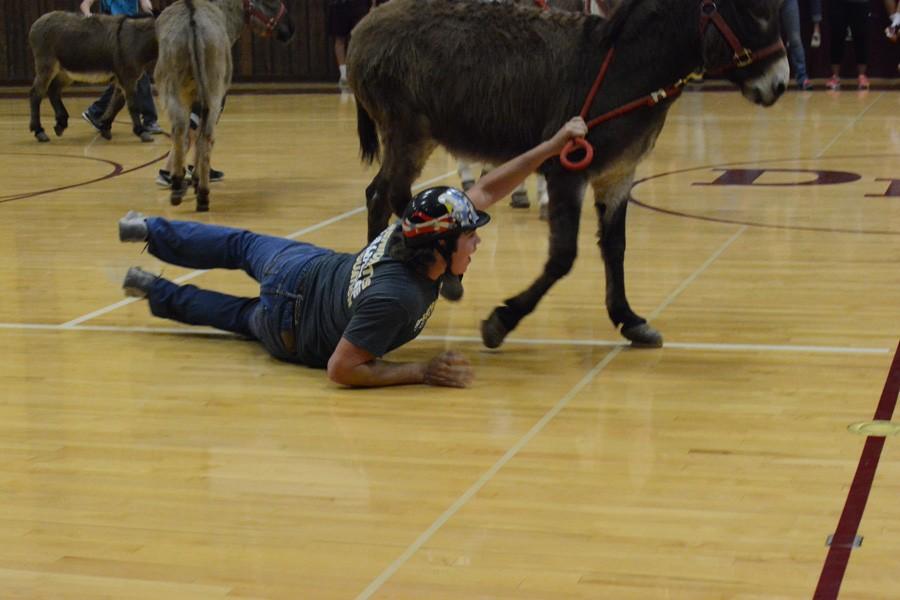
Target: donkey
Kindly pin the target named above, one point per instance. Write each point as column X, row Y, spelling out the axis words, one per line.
column 490, row 80
column 194, row 69
column 68, row 47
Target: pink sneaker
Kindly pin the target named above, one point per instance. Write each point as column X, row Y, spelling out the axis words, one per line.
column 863, row 82
column 834, row 83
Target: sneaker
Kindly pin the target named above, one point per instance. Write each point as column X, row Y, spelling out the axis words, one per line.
column 344, row 85
column 164, row 179
column 133, row 227
column 153, row 128
column 816, row 40
column 862, row 82
column 805, row 84
column 214, row 176
column 137, row 282
column 519, row 199
column 104, row 132
column 834, row 83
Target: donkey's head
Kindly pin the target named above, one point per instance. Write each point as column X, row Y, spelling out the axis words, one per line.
column 742, row 40
column 269, row 16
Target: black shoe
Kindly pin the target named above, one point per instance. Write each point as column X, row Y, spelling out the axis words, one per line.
column 164, row 179
column 98, row 125
column 137, row 282
column 153, row 128
column 214, row 176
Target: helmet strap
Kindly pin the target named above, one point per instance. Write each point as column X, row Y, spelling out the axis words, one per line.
column 446, row 247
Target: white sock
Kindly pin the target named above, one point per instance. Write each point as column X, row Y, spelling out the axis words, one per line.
column 343, row 69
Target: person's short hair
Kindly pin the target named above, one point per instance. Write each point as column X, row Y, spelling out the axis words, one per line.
column 419, row 258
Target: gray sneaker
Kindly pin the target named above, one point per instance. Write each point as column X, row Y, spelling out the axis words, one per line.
column 133, row 227
column 137, row 282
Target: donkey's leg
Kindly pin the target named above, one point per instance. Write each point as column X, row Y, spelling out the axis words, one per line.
column 205, row 142
column 611, row 202
column 45, row 71
column 54, row 93
column 377, row 205
column 180, row 117
column 129, row 87
column 566, row 194
column 405, row 154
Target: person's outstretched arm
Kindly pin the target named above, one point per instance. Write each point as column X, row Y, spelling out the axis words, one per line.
column 352, row 366
column 86, row 7
column 504, row 179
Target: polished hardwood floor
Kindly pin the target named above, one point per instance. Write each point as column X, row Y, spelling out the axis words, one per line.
column 141, row 459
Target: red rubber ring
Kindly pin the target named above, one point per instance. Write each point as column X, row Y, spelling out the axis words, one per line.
column 572, row 146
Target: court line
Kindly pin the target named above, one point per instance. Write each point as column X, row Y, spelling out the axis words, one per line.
column 454, row 508
column 703, row 346
column 848, row 525
column 849, row 126
column 197, row 273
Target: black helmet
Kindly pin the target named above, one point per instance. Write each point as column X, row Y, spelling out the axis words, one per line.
column 438, row 213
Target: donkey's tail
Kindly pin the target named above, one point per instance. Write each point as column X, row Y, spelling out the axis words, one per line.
column 198, row 63
column 368, row 135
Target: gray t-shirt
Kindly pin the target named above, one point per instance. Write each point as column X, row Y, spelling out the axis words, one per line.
column 374, row 301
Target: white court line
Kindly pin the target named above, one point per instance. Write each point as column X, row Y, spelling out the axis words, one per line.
column 684, row 284
column 420, row 541
column 849, row 126
column 482, row 481
column 708, row 346
column 197, row 273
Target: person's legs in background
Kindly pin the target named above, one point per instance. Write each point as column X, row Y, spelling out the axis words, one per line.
column 790, row 26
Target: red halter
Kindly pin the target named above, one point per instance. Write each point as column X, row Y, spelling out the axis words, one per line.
column 252, row 11
column 743, row 56
column 709, row 12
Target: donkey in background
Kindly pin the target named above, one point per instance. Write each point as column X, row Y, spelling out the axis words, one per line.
column 490, row 80
column 68, row 47
column 194, row 71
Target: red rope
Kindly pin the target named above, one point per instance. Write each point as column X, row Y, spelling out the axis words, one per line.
column 651, row 99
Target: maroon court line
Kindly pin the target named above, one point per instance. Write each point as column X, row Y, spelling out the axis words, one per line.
column 848, row 525
column 118, row 170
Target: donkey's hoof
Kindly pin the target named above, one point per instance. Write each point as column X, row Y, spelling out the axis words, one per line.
column 643, row 336
column 493, row 331
column 42, row 137
column 175, row 197
column 106, row 134
column 146, row 136
column 203, row 201
column 59, row 129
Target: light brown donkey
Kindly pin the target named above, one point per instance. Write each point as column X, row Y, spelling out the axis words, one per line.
column 193, row 71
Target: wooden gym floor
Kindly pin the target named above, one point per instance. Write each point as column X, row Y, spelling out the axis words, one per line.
column 140, row 459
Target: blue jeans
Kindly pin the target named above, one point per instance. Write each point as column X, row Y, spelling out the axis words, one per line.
column 790, row 27
column 278, row 264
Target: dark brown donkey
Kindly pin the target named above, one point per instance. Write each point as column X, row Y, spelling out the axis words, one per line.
column 193, row 72
column 490, row 80
column 69, row 47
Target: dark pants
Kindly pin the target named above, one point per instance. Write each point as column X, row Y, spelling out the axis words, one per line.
column 278, row 264
column 856, row 16
column 143, row 97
